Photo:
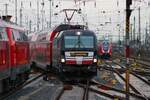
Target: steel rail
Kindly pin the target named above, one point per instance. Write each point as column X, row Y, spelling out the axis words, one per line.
column 101, row 93
column 118, row 73
column 86, row 92
column 134, row 74
column 20, row 87
column 60, row 94
column 118, row 90
column 131, row 86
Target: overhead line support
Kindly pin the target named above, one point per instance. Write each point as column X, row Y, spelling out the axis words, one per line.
column 128, row 13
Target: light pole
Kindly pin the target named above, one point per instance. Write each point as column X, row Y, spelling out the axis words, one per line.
column 16, row 11
column 37, row 15
column 20, row 16
column 42, row 12
column 6, row 9
column 50, row 12
column 139, row 37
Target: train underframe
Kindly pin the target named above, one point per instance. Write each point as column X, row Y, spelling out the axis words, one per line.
column 77, row 72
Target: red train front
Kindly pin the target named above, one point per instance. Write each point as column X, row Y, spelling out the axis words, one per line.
column 105, row 49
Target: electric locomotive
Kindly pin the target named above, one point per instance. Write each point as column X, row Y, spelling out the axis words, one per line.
column 65, row 48
column 74, row 51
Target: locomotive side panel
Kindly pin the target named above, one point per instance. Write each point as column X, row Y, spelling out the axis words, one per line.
column 4, row 60
column 22, row 56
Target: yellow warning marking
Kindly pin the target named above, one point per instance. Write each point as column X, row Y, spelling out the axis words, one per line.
column 116, row 98
column 114, row 81
column 136, row 66
column 100, row 62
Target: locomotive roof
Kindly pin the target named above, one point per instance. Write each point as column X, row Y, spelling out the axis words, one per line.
column 63, row 27
column 58, row 28
column 86, row 32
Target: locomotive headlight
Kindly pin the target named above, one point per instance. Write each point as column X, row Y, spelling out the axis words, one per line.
column 62, row 60
column 78, row 33
column 95, row 60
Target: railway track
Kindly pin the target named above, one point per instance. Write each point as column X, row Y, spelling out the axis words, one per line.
column 119, row 91
column 87, row 89
column 97, row 91
column 136, row 91
column 135, row 74
column 138, row 66
column 17, row 88
column 84, row 96
column 144, row 62
column 140, row 78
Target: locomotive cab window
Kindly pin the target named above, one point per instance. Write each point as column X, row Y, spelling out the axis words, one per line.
column 87, row 41
column 3, row 34
column 79, row 40
column 71, row 41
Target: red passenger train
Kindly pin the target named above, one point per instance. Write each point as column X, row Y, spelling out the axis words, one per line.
column 14, row 55
column 105, row 49
column 67, row 49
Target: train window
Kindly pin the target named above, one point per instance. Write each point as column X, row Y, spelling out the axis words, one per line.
column 105, row 45
column 19, row 35
column 79, row 41
column 86, row 42
column 71, row 41
column 16, row 35
column 23, row 36
column 3, row 34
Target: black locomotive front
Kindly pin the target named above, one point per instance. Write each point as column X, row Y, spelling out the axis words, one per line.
column 74, row 51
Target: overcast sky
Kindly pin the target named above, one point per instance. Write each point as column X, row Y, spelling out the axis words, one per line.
column 92, row 11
